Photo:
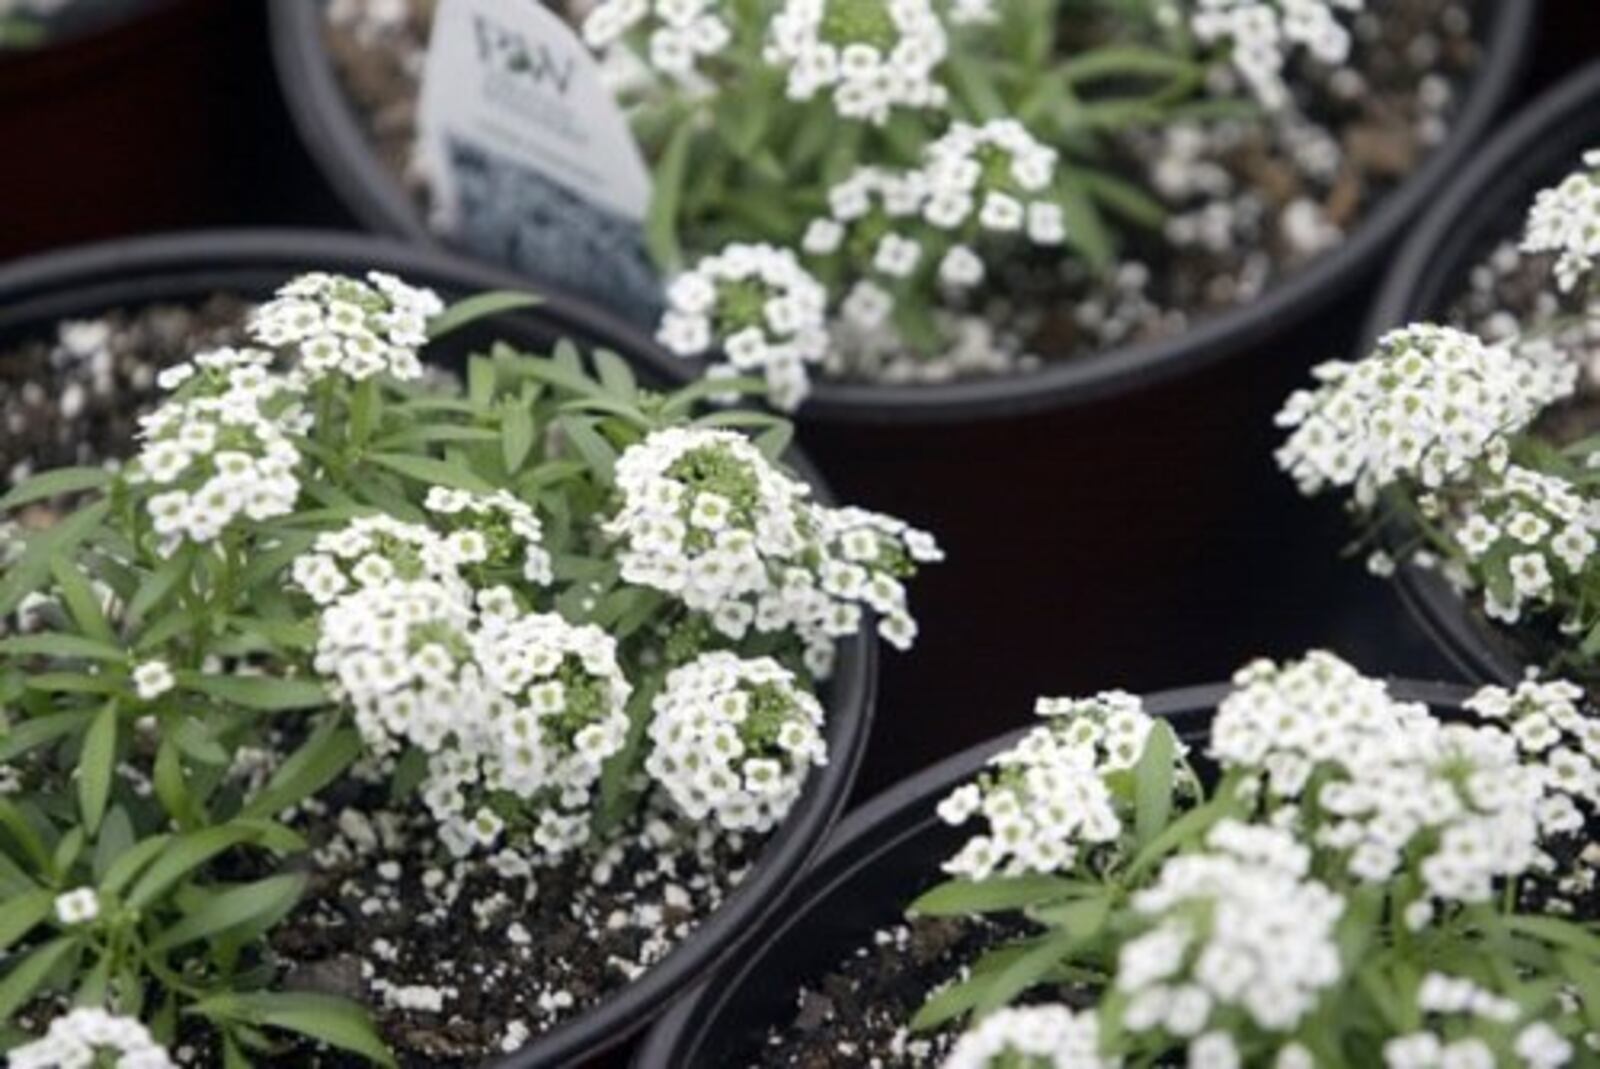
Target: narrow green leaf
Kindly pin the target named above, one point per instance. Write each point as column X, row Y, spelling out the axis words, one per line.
column 29, row 734
column 1030, row 968
column 81, row 600
column 23, row 981
column 472, row 309
column 116, row 838
column 96, row 765
column 251, row 903
column 59, row 644
column 337, row 1022
column 55, row 483
column 29, row 571
column 594, row 449
column 671, row 173
column 267, row 694
column 23, row 913
column 323, row 757
column 183, row 856
column 998, row 894
column 516, row 435
column 431, row 471
column 131, row 862
column 615, row 374
column 1153, row 784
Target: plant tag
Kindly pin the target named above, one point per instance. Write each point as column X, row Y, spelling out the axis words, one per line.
column 531, row 160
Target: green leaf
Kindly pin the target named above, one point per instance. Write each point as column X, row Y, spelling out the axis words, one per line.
column 131, row 862
column 55, row 483
column 116, row 838
column 1029, row 969
column 516, row 435
column 615, row 374
column 594, row 449
column 335, row 1021
column 24, row 980
column 81, row 600
column 266, row 694
column 96, row 765
column 431, row 471
column 185, row 854
column 1153, row 783
column 59, row 644
column 774, row 442
column 1556, row 932
column 28, row 734
column 23, row 913
column 29, row 571
column 266, row 900
column 318, row 762
column 998, row 894
column 478, row 307
column 661, row 222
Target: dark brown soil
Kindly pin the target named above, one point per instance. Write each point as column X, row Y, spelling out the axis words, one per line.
column 1358, row 132
column 75, row 398
column 459, row 962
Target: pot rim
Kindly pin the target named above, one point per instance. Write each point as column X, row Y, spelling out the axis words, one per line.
column 332, row 131
column 44, row 289
column 902, row 812
column 1458, row 228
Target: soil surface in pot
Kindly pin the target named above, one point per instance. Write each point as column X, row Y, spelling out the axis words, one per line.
column 1249, row 201
column 459, row 962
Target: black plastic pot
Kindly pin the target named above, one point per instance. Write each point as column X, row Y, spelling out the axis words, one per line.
column 36, row 293
column 1484, row 206
column 880, row 857
column 337, row 139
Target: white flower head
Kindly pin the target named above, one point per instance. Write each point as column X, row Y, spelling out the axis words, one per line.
column 1262, row 34
column 1430, row 405
column 1240, row 926
column 1037, row 1037
column 760, row 308
column 1046, row 801
column 732, row 739
column 334, row 325
column 1565, row 222
column 151, row 679
column 78, row 906
column 872, row 56
column 89, row 1036
column 673, row 37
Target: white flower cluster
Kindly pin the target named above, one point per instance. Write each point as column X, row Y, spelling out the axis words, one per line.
column 509, row 533
column 343, row 326
column 1525, row 534
column 1565, row 221
column 872, row 55
column 1389, row 781
column 679, row 34
column 763, row 309
column 734, row 739
column 221, row 448
column 89, row 1037
column 1547, row 720
column 1470, row 1007
column 705, row 517
column 1032, row 1037
column 1239, row 926
column 1262, row 33
column 501, row 701
column 1431, row 404
column 1046, row 799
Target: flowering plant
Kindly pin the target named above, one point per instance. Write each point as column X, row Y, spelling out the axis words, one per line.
column 875, row 171
column 1361, row 883
column 535, row 601
column 1444, row 441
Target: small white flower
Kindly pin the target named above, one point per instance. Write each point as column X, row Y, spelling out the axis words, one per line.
column 78, row 906
column 151, row 679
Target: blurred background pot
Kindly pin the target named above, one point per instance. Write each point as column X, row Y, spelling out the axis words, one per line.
column 37, row 294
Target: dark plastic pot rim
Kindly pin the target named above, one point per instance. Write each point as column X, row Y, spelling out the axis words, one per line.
column 46, row 288
column 1436, row 254
column 333, row 132
column 899, row 813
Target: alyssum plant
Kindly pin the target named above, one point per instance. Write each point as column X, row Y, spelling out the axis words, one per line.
column 1360, row 883
column 1439, row 440
column 870, row 176
column 534, row 602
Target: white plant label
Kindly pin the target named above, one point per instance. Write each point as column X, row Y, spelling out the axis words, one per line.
column 530, row 159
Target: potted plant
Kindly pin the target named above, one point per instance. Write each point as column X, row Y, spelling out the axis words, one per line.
column 1191, row 183
column 430, row 716
column 1223, row 876
column 1499, row 267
